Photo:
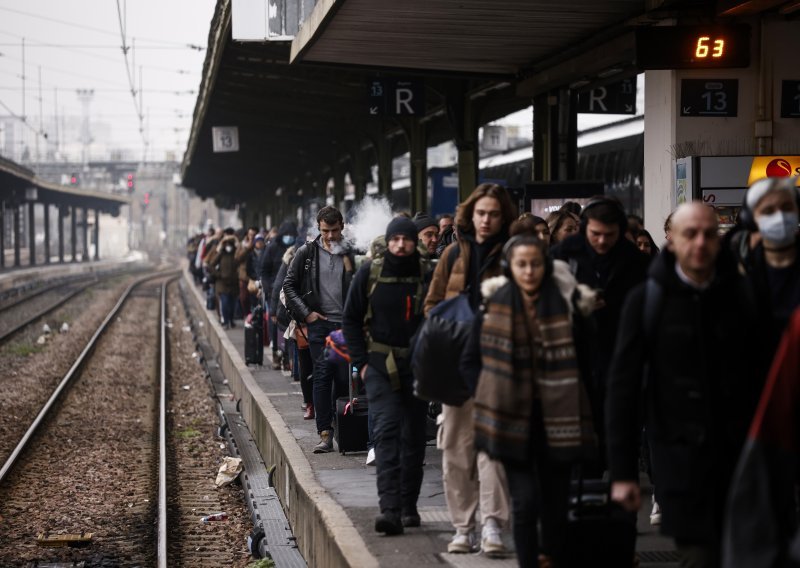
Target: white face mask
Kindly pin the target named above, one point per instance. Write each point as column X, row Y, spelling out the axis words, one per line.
column 778, row 228
column 228, row 249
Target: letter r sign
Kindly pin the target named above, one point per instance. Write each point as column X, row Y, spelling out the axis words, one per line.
column 409, row 98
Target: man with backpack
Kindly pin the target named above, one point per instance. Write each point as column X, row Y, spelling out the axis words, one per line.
column 316, row 287
column 675, row 354
column 383, row 311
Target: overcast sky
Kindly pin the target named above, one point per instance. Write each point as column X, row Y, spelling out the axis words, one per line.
column 83, row 51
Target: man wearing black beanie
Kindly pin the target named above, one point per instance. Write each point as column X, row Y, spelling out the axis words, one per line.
column 385, row 299
column 428, row 233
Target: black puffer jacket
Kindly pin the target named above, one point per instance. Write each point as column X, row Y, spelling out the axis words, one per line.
column 615, row 273
column 701, row 387
column 301, row 285
column 270, row 261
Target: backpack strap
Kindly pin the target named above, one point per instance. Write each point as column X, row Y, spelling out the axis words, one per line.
column 375, row 278
column 653, row 300
column 452, row 256
column 651, row 313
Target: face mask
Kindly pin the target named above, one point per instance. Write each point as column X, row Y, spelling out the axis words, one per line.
column 229, row 249
column 779, row 228
column 288, row 240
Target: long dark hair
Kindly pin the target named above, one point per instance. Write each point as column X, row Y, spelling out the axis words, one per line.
column 464, row 213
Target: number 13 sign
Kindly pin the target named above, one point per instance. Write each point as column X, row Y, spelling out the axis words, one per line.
column 709, row 97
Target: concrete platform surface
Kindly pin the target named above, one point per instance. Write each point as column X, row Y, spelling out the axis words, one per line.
column 352, row 486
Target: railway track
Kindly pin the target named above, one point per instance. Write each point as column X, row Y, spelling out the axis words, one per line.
column 21, row 310
column 99, row 459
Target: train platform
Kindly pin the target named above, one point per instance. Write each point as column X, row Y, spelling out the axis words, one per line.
column 331, row 499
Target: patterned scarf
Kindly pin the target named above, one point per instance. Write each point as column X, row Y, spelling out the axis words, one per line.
column 525, row 368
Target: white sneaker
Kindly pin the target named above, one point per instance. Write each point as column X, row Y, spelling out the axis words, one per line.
column 655, row 514
column 371, row 457
column 462, row 543
column 492, row 541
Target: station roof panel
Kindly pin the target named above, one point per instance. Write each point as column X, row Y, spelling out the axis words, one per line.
column 16, row 179
column 495, row 38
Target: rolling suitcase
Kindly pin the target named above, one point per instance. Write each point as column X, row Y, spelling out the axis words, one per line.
column 352, row 431
column 599, row 531
column 254, row 337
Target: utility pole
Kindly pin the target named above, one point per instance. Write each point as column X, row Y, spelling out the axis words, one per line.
column 41, row 124
column 23, row 79
column 85, row 97
column 55, row 110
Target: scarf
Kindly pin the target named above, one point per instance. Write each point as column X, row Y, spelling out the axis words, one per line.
column 528, row 373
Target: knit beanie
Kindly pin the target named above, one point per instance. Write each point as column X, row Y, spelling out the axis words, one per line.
column 423, row 221
column 401, row 226
column 764, row 186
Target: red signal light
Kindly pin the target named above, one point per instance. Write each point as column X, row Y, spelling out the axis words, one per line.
column 147, row 198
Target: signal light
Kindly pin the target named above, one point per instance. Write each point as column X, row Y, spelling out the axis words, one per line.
column 130, row 182
column 147, row 199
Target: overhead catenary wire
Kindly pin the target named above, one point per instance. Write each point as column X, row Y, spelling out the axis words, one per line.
column 96, row 30
column 23, row 120
column 96, row 46
column 90, row 44
column 75, row 48
column 131, row 80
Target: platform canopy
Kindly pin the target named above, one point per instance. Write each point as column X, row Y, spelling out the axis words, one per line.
column 19, row 185
column 295, row 122
column 500, row 37
column 300, row 108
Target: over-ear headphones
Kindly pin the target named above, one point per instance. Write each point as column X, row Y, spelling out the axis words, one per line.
column 764, row 186
column 523, row 239
column 619, row 212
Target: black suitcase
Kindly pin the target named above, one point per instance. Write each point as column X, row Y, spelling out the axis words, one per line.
column 254, row 338
column 599, row 531
column 352, row 430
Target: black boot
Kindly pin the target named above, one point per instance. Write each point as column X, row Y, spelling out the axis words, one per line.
column 410, row 518
column 389, row 522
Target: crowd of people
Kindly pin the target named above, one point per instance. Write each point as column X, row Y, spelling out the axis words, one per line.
column 593, row 353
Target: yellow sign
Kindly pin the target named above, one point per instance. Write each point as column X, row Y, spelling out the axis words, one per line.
column 774, row 166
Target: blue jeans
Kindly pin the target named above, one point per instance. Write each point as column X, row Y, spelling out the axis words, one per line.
column 326, row 375
column 227, row 303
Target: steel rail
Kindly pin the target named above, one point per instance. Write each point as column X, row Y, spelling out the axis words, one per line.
column 45, row 311
column 76, row 366
column 162, row 434
column 22, row 298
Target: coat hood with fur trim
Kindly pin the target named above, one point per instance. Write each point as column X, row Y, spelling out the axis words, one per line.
column 289, row 254
column 583, row 301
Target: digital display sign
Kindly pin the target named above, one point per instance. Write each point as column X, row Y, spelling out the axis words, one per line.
column 693, row 47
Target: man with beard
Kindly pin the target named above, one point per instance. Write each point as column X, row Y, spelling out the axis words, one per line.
column 316, row 287
column 383, row 311
column 428, row 233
